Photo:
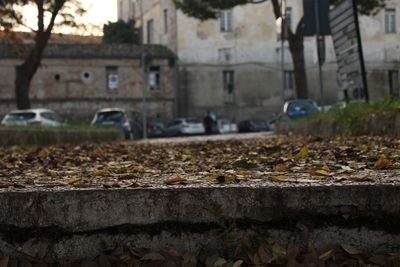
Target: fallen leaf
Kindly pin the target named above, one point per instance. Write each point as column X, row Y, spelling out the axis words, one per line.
column 350, row 249
column 303, row 153
column 278, row 251
column 44, row 153
column 280, row 178
column 316, row 172
column 220, row 262
column 73, row 180
column 4, row 261
column 101, row 173
column 364, row 178
column 383, row 164
column 153, row 256
column 326, row 256
column 177, row 180
column 280, row 167
column 238, row 263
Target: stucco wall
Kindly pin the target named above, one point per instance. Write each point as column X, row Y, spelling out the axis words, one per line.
column 78, row 97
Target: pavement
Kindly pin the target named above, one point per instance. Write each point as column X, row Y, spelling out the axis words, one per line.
column 67, row 223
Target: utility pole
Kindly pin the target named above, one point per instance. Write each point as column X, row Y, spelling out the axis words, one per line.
column 283, row 49
column 319, row 40
column 144, row 76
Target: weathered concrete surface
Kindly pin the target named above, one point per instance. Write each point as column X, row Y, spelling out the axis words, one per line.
column 73, row 224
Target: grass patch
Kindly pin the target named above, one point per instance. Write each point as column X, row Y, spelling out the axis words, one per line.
column 352, row 116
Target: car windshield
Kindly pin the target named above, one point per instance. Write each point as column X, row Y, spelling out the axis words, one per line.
column 302, row 105
column 51, row 116
column 20, row 116
column 110, row 116
column 192, row 121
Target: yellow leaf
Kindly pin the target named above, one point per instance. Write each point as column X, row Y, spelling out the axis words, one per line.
column 303, row 153
column 290, row 156
column 280, row 167
column 220, row 262
column 383, row 164
column 281, row 178
column 278, row 251
column 322, row 173
column 351, row 250
column 326, row 256
column 237, row 263
column 73, row 180
column 279, row 142
column 325, row 168
column 44, row 153
column 177, row 180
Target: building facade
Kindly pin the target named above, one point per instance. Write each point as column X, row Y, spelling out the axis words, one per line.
column 232, row 65
column 77, row 79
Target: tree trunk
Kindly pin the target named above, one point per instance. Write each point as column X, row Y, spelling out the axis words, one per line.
column 296, row 45
column 22, row 84
column 26, row 71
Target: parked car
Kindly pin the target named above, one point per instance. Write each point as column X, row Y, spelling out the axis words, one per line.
column 294, row 109
column 226, row 126
column 184, row 126
column 155, row 129
column 115, row 117
column 38, row 116
column 253, row 125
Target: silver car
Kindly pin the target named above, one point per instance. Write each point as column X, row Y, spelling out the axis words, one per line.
column 184, row 126
column 38, row 116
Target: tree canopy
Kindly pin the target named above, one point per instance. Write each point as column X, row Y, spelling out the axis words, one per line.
column 49, row 14
column 120, row 32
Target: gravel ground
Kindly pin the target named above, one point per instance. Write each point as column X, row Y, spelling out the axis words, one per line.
column 260, row 159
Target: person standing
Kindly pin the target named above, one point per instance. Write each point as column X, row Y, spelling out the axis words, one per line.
column 208, row 123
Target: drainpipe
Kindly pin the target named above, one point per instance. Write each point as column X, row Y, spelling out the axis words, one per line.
column 144, row 77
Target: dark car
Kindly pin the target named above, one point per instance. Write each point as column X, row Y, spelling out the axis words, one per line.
column 116, row 117
column 253, row 125
column 294, row 109
column 155, row 129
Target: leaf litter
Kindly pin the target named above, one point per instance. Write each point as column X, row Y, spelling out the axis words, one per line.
column 268, row 160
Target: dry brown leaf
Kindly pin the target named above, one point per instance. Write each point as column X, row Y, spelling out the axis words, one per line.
column 350, row 249
column 383, row 164
column 101, row 173
column 73, row 180
column 177, row 180
column 319, row 172
column 280, row 167
column 44, row 153
column 280, row 178
column 4, row 261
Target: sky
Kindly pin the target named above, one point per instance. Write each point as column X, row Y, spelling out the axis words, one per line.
column 98, row 13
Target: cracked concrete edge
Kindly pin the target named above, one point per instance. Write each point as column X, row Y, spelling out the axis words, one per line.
column 92, row 210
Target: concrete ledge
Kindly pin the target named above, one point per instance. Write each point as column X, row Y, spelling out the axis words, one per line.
column 87, row 222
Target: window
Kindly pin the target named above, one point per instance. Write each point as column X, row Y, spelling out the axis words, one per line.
column 228, row 78
column 225, row 54
column 394, row 83
column 112, row 78
column 390, row 20
column 225, row 19
column 154, row 78
column 165, row 20
column 150, row 31
column 289, row 80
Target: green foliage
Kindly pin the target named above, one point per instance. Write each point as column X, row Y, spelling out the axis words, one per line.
column 208, row 9
column 120, row 32
column 12, row 16
column 351, row 117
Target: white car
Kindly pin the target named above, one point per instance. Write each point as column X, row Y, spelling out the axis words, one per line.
column 38, row 116
column 226, row 126
column 184, row 126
